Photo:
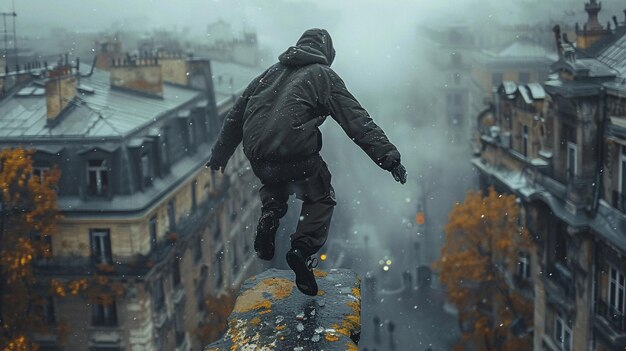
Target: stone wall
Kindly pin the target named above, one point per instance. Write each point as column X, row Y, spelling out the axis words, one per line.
column 272, row 314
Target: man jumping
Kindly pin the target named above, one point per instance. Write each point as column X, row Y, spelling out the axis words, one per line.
column 277, row 117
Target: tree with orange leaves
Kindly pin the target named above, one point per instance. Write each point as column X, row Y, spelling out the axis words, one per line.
column 28, row 215
column 483, row 239
column 219, row 308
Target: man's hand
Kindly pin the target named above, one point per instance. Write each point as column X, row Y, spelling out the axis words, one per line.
column 214, row 165
column 399, row 173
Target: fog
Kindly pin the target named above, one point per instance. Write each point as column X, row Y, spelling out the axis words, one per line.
column 383, row 60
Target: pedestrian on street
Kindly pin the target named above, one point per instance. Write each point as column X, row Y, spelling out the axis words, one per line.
column 278, row 117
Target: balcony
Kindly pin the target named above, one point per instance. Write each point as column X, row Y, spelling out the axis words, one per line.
column 619, row 201
column 610, row 324
column 138, row 264
column 560, row 283
column 579, row 189
column 615, row 318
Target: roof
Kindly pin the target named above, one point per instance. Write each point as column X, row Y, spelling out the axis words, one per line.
column 521, row 50
column 530, row 92
column 101, row 111
column 105, row 112
column 614, row 55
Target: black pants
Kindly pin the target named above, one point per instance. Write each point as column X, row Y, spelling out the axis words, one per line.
column 309, row 180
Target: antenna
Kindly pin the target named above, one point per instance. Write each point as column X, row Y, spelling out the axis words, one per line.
column 9, row 34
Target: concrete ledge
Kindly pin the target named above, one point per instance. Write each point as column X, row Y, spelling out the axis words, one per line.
column 272, row 314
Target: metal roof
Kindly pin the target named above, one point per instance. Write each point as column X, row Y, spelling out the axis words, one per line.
column 521, row 50
column 105, row 112
column 614, row 55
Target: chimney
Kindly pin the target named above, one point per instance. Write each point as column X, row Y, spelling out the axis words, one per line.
column 141, row 75
column 107, row 52
column 592, row 8
column 175, row 68
column 60, row 91
column 557, row 37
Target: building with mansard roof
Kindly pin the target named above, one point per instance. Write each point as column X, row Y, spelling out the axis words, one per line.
column 565, row 159
column 139, row 208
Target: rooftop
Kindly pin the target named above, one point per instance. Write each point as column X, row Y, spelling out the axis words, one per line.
column 614, row 55
column 521, row 50
column 98, row 110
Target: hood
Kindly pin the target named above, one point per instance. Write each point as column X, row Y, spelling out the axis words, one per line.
column 314, row 46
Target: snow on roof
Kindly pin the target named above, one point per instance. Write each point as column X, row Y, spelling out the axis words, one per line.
column 536, row 91
column 509, row 87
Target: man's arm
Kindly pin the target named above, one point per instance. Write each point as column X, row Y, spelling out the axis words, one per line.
column 231, row 133
column 359, row 126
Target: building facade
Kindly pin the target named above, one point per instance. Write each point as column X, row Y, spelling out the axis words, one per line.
column 148, row 230
column 561, row 149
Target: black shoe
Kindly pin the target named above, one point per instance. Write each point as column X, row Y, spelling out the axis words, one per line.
column 265, row 233
column 305, row 279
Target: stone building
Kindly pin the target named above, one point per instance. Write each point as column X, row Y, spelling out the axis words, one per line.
column 143, row 217
column 450, row 51
column 472, row 62
column 561, row 149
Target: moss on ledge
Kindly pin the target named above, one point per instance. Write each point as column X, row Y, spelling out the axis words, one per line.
column 272, row 314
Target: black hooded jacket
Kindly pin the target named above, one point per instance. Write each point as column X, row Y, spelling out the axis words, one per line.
column 279, row 113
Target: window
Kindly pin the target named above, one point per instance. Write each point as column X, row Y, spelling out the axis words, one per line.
column 524, row 77
column 164, row 144
column 45, row 308
column 179, row 328
column 147, row 171
column 194, row 200
column 46, row 244
column 496, row 79
column 456, row 119
column 104, row 312
column 456, row 59
column 153, row 229
column 40, row 171
column 219, row 260
column 458, row 99
column 176, row 272
column 101, row 246
column 158, row 296
column 457, row 78
column 571, row 159
column 197, row 250
column 235, row 257
column 171, row 214
column 525, row 140
column 192, row 135
column 617, row 292
column 622, row 171
column 97, row 177
column 523, row 265
column 204, row 272
column 563, row 333
column 217, row 230
column 560, row 245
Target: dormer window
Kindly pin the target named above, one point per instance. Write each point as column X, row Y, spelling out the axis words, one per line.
column 147, row 171
column 40, row 171
column 163, row 148
column 97, row 177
